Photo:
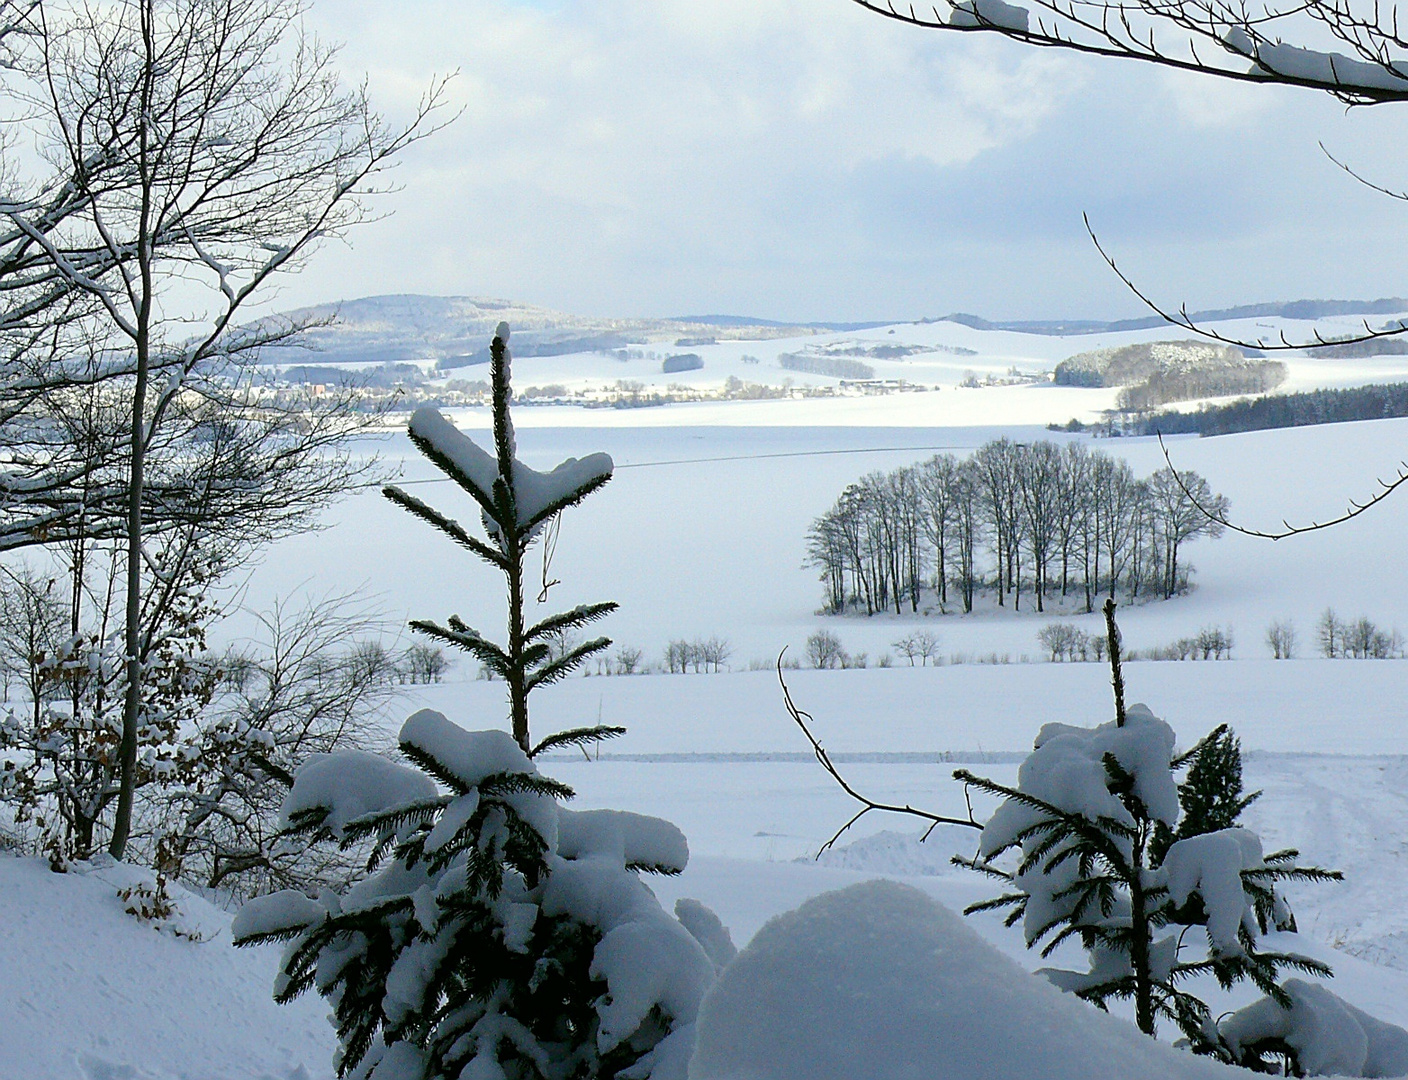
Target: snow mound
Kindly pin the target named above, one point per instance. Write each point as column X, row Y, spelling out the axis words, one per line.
column 91, row 993
column 900, row 854
column 879, row 980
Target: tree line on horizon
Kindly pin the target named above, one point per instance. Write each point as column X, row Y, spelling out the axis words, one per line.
column 1041, row 519
column 1377, row 402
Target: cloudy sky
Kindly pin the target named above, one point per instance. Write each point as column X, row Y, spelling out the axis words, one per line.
column 803, row 159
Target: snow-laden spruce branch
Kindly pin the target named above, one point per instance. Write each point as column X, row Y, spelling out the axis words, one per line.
column 804, row 721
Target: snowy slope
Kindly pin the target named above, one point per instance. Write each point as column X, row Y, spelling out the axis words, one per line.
column 702, row 532
column 92, row 994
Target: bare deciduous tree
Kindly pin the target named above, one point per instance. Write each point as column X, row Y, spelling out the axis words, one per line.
column 1281, row 637
column 824, row 650
column 208, row 145
column 1030, row 505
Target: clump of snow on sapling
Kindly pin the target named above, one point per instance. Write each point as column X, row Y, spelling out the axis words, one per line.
column 1314, row 1033
column 1093, row 819
column 498, row 936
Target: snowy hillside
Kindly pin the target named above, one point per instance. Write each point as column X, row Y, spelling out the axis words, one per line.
column 738, row 372
column 715, row 518
column 378, row 329
column 701, row 533
column 92, row 994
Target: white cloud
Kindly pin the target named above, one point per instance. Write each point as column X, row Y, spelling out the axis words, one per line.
column 802, row 158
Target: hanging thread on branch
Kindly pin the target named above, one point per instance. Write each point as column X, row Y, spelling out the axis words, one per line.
column 550, row 534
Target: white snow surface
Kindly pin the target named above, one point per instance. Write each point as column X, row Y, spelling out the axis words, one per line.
column 1067, row 771
column 470, row 756
column 879, row 980
column 479, row 467
column 287, row 909
column 968, row 13
column 1277, row 58
column 1211, row 865
column 632, row 838
column 708, row 929
column 350, row 784
column 1331, row 1037
column 646, row 956
column 90, row 993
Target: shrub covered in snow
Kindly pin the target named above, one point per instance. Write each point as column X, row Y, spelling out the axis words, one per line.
column 501, row 936
column 1112, row 852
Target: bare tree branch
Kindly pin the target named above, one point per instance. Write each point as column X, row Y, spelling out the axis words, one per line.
column 1387, row 488
column 803, row 720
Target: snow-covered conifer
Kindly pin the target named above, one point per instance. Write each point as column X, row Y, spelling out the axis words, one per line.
column 516, row 504
column 499, row 935
column 1083, row 818
column 1210, row 795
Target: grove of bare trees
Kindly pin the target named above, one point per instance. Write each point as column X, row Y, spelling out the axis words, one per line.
column 1039, row 521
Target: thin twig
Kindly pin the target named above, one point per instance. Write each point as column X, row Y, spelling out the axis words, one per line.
column 803, row 719
column 1355, row 508
column 1185, row 320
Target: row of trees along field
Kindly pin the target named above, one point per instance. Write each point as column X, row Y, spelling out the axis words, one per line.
column 1041, row 518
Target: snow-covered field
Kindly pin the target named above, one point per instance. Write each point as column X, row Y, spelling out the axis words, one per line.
column 702, row 532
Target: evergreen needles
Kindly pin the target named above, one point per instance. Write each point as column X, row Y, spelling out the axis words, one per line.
column 516, row 503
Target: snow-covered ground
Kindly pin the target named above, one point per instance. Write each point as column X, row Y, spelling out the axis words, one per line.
column 702, row 532
column 89, row 993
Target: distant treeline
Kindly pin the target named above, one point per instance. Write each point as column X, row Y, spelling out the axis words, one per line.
column 1041, row 518
column 837, row 367
column 1284, row 410
column 1164, row 387
column 681, row 362
column 1159, row 372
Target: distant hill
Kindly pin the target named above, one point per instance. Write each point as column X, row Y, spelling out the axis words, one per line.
column 455, row 330
column 1293, row 309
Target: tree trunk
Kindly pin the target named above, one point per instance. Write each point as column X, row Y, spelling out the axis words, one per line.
column 1139, row 946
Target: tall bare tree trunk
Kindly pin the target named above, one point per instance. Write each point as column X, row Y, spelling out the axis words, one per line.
column 132, row 636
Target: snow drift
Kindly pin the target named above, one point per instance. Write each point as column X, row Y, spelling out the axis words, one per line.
column 90, row 993
column 879, row 980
